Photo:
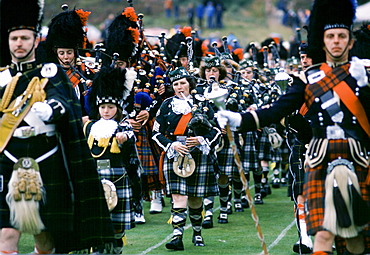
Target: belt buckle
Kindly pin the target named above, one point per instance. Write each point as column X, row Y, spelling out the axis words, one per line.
column 28, row 131
column 335, row 132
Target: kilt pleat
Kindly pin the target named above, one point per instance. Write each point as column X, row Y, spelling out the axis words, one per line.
column 202, row 183
column 249, row 153
column 226, row 159
column 263, row 147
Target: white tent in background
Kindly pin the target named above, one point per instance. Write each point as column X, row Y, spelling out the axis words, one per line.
column 363, row 13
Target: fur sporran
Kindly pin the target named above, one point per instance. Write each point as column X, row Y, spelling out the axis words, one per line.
column 25, row 193
column 342, row 192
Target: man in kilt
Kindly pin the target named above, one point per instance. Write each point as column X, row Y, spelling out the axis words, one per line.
column 49, row 185
column 337, row 170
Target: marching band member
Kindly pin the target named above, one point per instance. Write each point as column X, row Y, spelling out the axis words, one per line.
column 64, row 41
column 189, row 162
column 50, row 187
column 112, row 145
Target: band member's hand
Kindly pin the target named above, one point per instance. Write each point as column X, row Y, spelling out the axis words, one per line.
column 121, row 137
column 225, row 117
column 136, row 126
column 142, row 117
column 180, row 148
column 161, row 89
column 43, row 110
column 192, row 141
column 85, row 119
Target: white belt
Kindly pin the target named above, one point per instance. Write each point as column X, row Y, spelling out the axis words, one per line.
column 38, row 160
column 28, row 131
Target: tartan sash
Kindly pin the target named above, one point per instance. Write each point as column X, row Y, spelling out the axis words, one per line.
column 331, row 79
column 334, row 79
column 74, row 77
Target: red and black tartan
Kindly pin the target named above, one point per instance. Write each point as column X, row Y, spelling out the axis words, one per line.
column 314, row 187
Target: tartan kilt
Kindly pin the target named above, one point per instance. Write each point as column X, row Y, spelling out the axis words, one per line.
column 249, row 152
column 263, row 147
column 226, row 159
column 276, row 155
column 314, row 187
column 202, row 183
column 123, row 214
column 145, row 153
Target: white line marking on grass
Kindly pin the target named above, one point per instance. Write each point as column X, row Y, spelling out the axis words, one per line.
column 170, row 236
column 282, row 234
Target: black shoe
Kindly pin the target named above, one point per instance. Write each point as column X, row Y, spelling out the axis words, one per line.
column 263, row 192
column 198, row 240
column 238, row 207
column 258, row 199
column 175, row 244
column 245, row 203
column 222, row 219
column 208, row 222
column 302, row 248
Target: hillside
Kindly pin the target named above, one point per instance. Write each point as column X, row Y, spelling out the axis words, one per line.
column 248, row 20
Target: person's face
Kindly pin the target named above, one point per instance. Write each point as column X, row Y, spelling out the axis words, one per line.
column 120, row 64
column 305, row 61
column 213, row 71
column 180, row 87
column 107, row 111
column 22, row 45
column 247, row 73
column 66, row 56
column 337, row 44
column 184, row 62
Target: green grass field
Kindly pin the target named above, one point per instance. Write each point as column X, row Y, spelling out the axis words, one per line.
column 239, row 236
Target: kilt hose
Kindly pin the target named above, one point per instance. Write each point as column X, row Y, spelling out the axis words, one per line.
column 202, row 183
column 123, row 214
column 314, row 187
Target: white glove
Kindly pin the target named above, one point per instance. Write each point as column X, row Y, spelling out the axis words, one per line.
column 225, row 117
column 43, row 110
column 358, row 71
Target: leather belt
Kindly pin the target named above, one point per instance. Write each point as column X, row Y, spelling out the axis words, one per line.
column 28, row 131
column 329, row 132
